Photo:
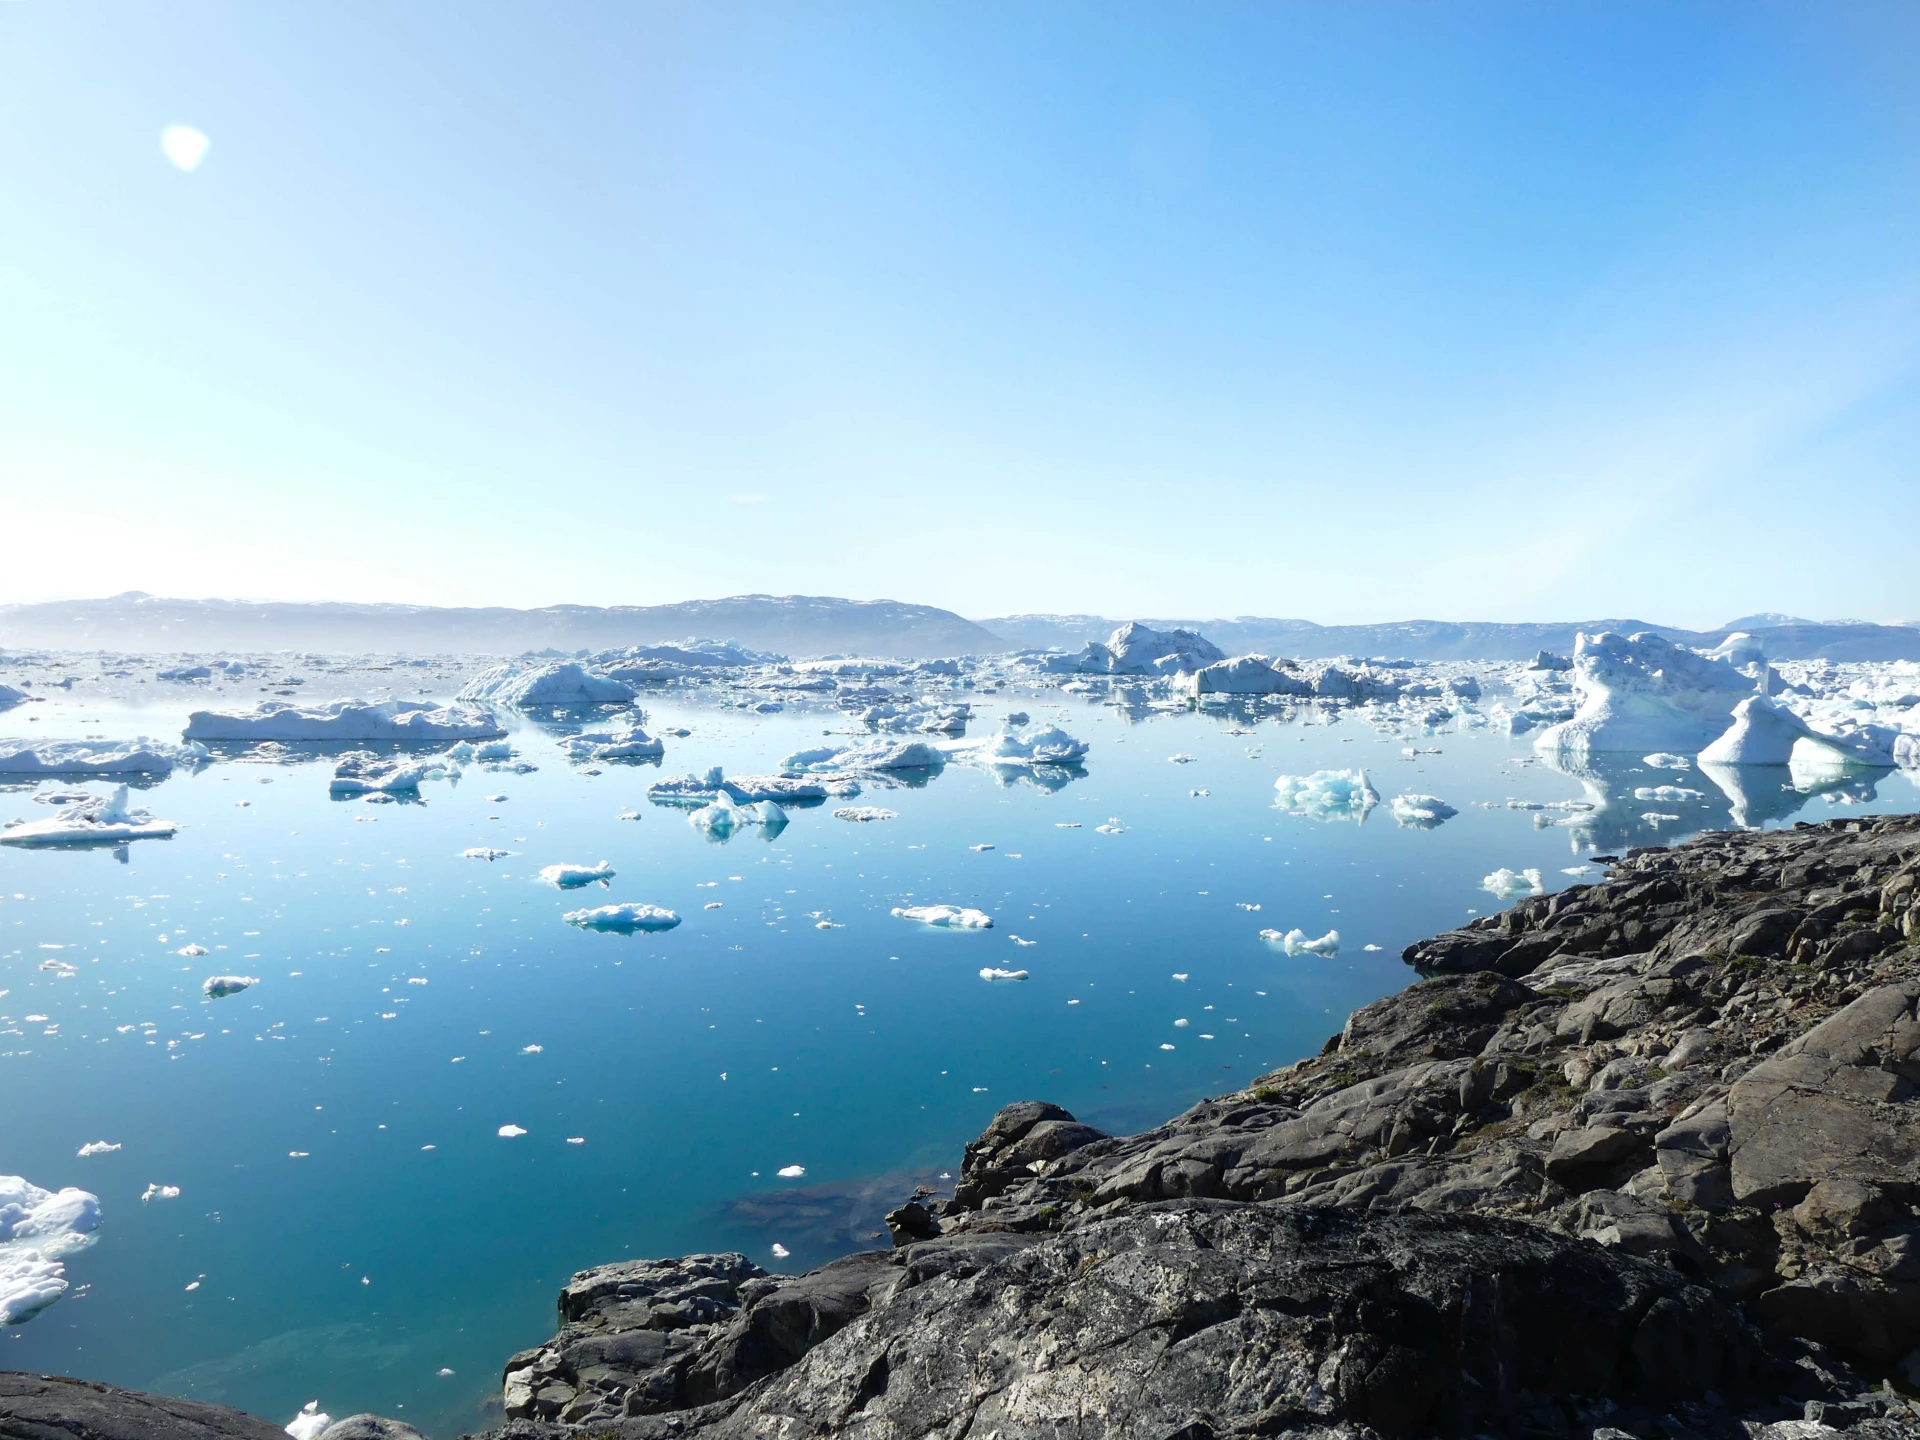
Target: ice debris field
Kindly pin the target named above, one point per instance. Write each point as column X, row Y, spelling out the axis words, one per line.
column 364, row 998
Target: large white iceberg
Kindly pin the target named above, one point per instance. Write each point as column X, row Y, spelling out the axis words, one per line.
column 1642, row 692
column 1249, row 675
column 96, row 820
column 38, row 1230
column 1765, row 733
column 344, row 720
column 1327, row 794
column 1137, row 649
column 563, row 683
column 630, row 916
column 946, row 917
column 95, row 757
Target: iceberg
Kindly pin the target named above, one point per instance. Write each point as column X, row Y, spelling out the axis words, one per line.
column 1297, row 942
column 362, row 772
column 87, row 757
column 1137, row 649
column 38, row 1230
column 1512, row 884
column 310, row 1423
column 571, row 877
column 10, row 697
column 623, row 918
column 1766, row 733
column 992, row 972
column 1642, row 692
column 219, row 986
column 1248, row 675
column 723, row 816
column 947, row 917
column 564, row 683
column 1421, row 812
column 876, row 755
column 96, row 820
column 343, row 720
column 1051, row 746
column 632, row 743
column 1327, row 794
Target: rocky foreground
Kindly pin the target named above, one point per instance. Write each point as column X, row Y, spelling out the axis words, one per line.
column 1641, row 1159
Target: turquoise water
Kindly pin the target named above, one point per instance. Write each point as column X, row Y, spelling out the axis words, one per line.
column 406, row 1238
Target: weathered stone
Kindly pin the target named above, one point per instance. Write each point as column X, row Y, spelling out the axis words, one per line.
column 52, row 1407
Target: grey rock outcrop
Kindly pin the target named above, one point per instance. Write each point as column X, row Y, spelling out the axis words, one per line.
column 53, row 1407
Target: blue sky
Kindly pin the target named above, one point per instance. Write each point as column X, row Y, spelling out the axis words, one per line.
column 1350, row 311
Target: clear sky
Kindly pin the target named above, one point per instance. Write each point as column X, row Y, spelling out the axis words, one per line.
column 1351, row 311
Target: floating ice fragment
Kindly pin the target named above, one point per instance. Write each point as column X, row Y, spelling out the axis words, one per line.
column 159, row 1192
column 864, row 813
column 1165, row 1046
column 1182, row 1023
column 1181, row 976
column 1661, row 760
column 1181, row 759
column 482, row 852
column 1018, row 941
column 311, row 1420
column 980, row 847
column 531, row 1049
column 1511, row 884
column 38, row 1230
column 1670, row 794
column 994, row 973
column 186, row 147
column 564, row 683
column 630, row 916
column 1298, row 942
column 95, row 820
column 1654, row 817
column 511, row 1132
column 1112, row 827
column 791, row 1172
column 951, row 917
column 780, row 1252
column 217, row 986
column 576, row 1139
column 571, row 877
column 1327, row 794
column 342, row 720
column 190, row 951
column 92, row 1147
column 95, row 757
column 1421, row 812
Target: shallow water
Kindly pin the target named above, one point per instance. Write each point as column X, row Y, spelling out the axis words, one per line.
column 350, row 1220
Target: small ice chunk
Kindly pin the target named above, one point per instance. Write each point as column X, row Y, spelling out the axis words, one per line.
column 630, row 916
column 791, row 1172
column 482, row 852
column 96, row 820
column 159, row 1192
column 570, row 877
column 1298, row 942
column 1327, row 794
column 38, row 1230
column 864, row 813
column 308, row 1424
column 1421, row 812
column 218, row 985
column 341, row 720
column 994, row 973
column 780, row 1252
column 1667, row 794
column 190, row 951
column 980, row 847
column 511, row 1132
column 95, row 1147
column 1661, row 760
column 951, row 917
column 1512, row 884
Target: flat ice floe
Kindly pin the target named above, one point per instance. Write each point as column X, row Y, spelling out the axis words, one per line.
column 571, row 877
column 742, row 789
column 948, row 917
column 1421, row 812
column 863, row 814
column 95, row 757
column 1327, row 794
column 97, row 820
column 38, row 1230
column 632, row 743
column 1641, row 692
column 564, row 683
column 343, row 720
column 1512, row 884
column 629, row 916
column 1298, row 942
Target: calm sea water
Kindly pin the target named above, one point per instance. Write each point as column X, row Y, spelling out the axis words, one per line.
column 352, row 1227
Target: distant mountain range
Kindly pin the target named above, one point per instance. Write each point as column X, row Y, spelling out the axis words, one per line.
column 1785, row 637
column 806, row 625
column 787, row 624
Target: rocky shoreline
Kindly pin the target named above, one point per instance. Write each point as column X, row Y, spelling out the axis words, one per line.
column 1640, row 1158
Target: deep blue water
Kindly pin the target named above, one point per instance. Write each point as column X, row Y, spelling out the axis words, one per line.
column 693, row 1064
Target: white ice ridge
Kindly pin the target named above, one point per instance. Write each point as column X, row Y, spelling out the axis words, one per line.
column 38, row 1230
column 345, row 720
column 91, row 757
column 948, row 917
column 569, row 877
column 218, row 986
column 1327, row 794
column 874, row 755
column 563, row 682
column 10, row 697
column 310, row 1422
column 630, row 916
column 1421, row 812
column 1642, row 692
column 721, row 817
column 632, row 743
column 96, row 820
column 865, row 813
column 1764, row 733
column 994, row 973
column 362, row 772
column 1051, row 746
column 1298, row 942
column 1512, row 884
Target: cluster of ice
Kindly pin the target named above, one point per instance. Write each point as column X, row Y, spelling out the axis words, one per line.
column 345, row 720
column 947, row 917
column 1327, row 795
column 874, row 755
column 1009, row 749
column 571, row 877
column 39, row 1229
column 563, row 683
column 1421, row 812
column 722, row 816
column 741, row 789
column 94, row 757
column 96, row 820
column 632, row 743
column 362, row 772
column 627, row 917
column 1298, row 942
column 1642, row 692
column 1512, row 884
column 1137, row 649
